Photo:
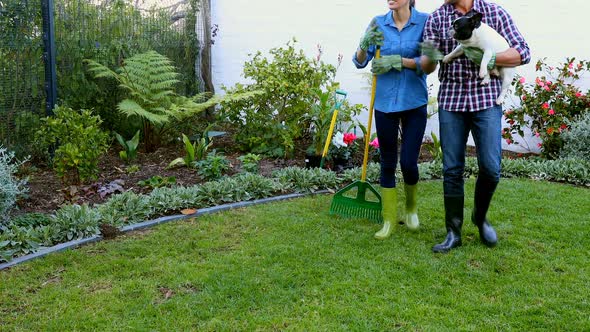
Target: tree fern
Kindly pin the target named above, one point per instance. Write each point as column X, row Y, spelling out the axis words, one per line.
column 150, row 78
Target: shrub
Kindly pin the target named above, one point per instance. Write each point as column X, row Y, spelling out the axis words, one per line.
column 250, row 162
column 16, row 241
column 577, row 139
column 213, row 166
column 270, row 123
column 73, row 222
column 81, row 143
column 125, row 208
column 10, row 187
column 306, row 179
column 548, row 104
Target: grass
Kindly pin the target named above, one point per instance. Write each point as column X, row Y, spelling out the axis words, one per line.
column 291, row 266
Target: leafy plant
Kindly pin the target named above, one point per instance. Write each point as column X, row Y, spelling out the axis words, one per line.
column 194, row 152
column 149, row 79
column 15, row 241
column 577, row 138
column 75, row 222
column 434, row 147
column 548, row 104
column 11, row 188
column 115, row 186
column 213, row 166
column 80, row 143
column 158, row 181
column 31, row 220
column 288, row 79
column 129, row 152
column 125, row 208
column 250, row 162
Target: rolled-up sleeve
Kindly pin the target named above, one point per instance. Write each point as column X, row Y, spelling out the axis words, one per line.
column 431, row 30
column 508, row 30
column 370, row 55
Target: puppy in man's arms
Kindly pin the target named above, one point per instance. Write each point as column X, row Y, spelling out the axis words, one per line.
column 470, row 31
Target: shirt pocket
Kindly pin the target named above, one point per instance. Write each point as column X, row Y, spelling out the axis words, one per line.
column 410, row 49
column 390, row 48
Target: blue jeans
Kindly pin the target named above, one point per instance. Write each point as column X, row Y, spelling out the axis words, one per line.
column 486, row 127
column 387, row 124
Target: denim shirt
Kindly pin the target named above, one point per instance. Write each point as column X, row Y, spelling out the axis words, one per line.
column 406, row 89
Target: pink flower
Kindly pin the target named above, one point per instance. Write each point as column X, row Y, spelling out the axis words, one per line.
column 571, row 65
column 547, row 88
column 509, row 141
column 539, row 82
column 579, row 94
column 349, row 138
column 551, row 112
column 522, row 80
column 537, row 134
column 374, row 143
column 545, row 106
column 539, row 145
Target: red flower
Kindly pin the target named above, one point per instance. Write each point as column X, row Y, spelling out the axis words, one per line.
column 551, row 112
column 349, row 138
column 545, row 106
column 563, row 126
column 550, row 130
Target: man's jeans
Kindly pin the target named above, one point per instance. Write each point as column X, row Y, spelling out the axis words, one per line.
column 486, row 127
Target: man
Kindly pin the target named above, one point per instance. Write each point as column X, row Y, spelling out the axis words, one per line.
column 465, row 105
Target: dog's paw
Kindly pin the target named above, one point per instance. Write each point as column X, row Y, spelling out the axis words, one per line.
column 447, row 59
column 483, row 72
column 495, row 72
column 486, row 80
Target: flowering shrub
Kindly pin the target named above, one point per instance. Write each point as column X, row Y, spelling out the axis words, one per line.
column 343, row 145
column 548, row 104
column 374, row 153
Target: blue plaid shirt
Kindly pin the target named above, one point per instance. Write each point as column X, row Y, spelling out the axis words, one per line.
column 406, row 89
column 460, row 88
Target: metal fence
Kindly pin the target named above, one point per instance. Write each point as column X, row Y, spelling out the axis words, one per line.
column 104, row 30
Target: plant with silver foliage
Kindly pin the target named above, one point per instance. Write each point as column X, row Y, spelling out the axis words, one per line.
column 577, row 138
column 10, row 187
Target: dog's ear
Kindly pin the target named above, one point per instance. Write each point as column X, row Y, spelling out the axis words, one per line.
column 476, row 19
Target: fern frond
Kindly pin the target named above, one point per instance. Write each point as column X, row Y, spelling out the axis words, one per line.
column 100, row 71
column 131, row 108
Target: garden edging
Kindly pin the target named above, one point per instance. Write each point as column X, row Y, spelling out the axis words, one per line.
column 150, row 223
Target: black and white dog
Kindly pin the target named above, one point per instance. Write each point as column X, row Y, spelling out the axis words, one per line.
column 470, row 31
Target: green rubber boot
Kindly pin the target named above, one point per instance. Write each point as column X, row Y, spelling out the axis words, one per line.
column 411, row 218
column 389, row 211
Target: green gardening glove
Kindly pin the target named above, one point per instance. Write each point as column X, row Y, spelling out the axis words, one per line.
column 373, row 36
column 430, row 51
column 475, row 55
column 386, row 63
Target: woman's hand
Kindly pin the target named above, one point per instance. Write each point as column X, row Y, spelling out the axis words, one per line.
column 386, row 63
column 373, row 36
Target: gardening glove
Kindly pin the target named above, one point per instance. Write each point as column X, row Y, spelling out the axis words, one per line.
column 373, row 36
column 430, row 51
column 475, row 55
column 386, row 63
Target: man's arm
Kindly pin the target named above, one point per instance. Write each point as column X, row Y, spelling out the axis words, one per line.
column 509, row 58
column 430, row 35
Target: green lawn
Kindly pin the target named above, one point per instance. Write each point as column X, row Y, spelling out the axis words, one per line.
column 291, row 266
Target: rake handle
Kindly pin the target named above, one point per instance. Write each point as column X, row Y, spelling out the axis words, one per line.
column 368, row 135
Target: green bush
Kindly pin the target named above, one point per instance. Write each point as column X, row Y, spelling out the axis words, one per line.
column 270, row 123
column 11, row 188
column 126, row 208
column 577, row 139
column 17, row 241
column 72, row 222
column 250, row 162
column 81, row 143
column 213, row 166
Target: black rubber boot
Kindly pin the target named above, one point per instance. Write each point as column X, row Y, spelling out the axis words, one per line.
column 481, row 203
column 453, row 223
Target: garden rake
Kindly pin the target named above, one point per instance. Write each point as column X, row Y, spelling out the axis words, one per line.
column 338, row 100
column 359, row 199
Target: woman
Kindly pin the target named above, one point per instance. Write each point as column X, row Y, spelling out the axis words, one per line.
column 401, row 97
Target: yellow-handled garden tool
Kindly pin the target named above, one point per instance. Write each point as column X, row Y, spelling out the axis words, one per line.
column 338, row 100
column 359, row 199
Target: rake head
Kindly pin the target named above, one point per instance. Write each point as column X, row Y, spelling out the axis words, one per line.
column 358, row 200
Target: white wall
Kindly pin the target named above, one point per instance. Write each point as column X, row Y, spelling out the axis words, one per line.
column 555, row 30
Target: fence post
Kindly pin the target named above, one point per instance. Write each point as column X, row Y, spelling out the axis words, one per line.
column 49, row 55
